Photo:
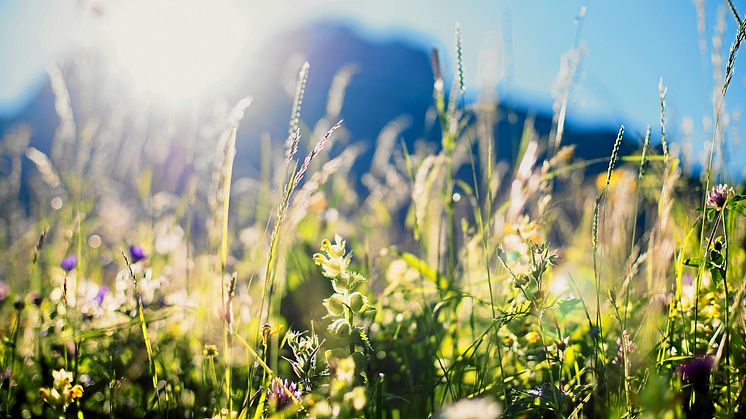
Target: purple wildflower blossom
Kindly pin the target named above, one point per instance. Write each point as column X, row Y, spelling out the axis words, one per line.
column 717, row 196
column 68, row 263
column 4, row 291
column 277, row 393
column 696, row 371
column 99, row 298
column 137, row 253
column 35, row 298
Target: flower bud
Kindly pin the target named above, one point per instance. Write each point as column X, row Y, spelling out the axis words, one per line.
column 340, row 327
column 334, row 305
column 357, row 302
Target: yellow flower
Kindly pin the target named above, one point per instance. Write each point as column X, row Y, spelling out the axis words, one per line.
column 62, row 378
column 47, row 395
column 333, row 262
column 63, row 392
column 356, row 398
column 74, row 392
column 532, row 337
column 210, row 351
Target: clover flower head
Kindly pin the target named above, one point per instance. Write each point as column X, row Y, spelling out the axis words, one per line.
column 68, row 263
column 717, row 196
column 278, row 393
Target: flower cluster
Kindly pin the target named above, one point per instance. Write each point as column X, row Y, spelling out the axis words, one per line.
column 346, row 363
column 717, row 196
column 345, row 303
column 63, row 392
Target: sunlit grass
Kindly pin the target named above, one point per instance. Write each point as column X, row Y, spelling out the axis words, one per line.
column 535, row 289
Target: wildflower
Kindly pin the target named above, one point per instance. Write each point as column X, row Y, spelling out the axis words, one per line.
column 532, row 337
column 284, row 393
column 333, row 262
column 62, row 378
column 357, row 302
column 63, row 392
column 356, row 398
column 483, row 408
column 4, row 291
column 623, row 343
column 696, row 371
column 99, row 298
column 334, row 305
column 210, row 351
column 35, row 298
column 695, row 375
column 717, row 196
column 344, row 370
column 137, row 253
column 68, row 263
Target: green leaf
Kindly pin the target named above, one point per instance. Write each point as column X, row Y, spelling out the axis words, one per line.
column 717, row 275
column 740, row 209
column 360, row 338
column 716, row 258
column 693, row 262
column 566, row 305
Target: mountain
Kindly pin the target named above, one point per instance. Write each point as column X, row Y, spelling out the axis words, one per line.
column 391, row 79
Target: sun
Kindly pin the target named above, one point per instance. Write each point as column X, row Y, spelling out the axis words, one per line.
column 175, row 51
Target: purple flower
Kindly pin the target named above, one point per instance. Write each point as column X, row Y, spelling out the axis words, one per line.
column 717, row 196
column 35, row 298
column 4, row 291
column 99, row 298
column 277, row 393
column 68, row 263
column 137, row 253
column 696, row 371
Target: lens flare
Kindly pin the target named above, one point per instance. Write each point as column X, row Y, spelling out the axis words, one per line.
column 175, row 51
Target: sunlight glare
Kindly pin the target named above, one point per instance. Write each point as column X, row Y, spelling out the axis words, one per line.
column 174, row 51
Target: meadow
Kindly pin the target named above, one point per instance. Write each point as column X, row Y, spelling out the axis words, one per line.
column 139, row 281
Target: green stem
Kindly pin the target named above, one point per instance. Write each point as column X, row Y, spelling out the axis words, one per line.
column 727, row 309
column 698, row 281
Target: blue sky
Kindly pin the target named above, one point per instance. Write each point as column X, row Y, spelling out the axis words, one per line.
column 629, row 46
